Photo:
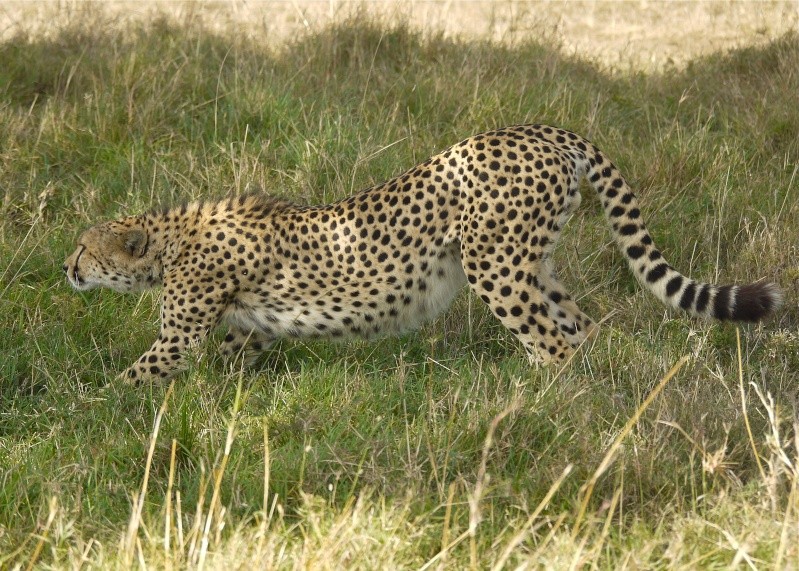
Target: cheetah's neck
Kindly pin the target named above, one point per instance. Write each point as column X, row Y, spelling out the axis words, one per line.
column 167, row 230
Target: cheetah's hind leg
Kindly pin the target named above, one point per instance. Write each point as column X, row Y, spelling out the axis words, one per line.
column 243, row 344
column 575, row 325
column 524, row 310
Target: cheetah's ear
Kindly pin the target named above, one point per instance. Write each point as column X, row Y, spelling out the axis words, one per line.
column 135, row 242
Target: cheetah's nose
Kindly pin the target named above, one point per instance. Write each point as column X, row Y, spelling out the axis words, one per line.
column 64, row 268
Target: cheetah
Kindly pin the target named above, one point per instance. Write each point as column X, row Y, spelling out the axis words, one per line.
column 486, row 212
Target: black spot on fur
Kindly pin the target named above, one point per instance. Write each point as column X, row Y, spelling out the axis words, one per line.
column 721, row 303
column 687, row 298
column 674, row 285
column 635, row 252
column 657, row 273
column 702, row 298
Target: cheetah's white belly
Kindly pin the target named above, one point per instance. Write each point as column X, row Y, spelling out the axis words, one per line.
column 358, row 314
column 443, row 284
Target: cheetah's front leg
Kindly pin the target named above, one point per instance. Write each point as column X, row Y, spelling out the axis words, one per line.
column 181, row 329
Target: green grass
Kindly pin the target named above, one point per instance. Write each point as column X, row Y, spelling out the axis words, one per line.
column 441, row 449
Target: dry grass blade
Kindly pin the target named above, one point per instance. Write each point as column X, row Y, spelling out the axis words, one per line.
column 475, row 497
column 755, row 453
column 168, row 514
column 441, row 554
column 43, row 537
column 517, row 539
column 220, row 472
column 483, row 478
column 740, row 550
column 787, row 524
column 129, row 545
column 588, row 488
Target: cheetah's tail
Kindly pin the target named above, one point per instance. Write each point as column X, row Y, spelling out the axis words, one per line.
column 752, row 302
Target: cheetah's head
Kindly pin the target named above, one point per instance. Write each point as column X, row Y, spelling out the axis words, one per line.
column 117, row 255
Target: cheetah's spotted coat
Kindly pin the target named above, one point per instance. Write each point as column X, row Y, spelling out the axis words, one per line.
column 487, row 212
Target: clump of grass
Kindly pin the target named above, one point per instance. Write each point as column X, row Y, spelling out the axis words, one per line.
column 442, row 449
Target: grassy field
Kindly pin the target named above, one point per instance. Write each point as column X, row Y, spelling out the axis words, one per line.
column 438, row 450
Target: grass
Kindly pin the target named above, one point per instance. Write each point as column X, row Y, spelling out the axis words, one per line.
column 442, row 449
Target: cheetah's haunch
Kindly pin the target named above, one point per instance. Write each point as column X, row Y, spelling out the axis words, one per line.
column 486, row 212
